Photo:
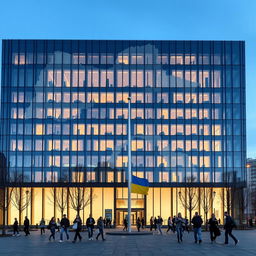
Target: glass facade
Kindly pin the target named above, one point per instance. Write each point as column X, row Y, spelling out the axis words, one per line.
column 64, row 109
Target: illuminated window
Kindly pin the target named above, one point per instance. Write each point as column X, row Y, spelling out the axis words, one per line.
column 93, row 129
column 149, row 145
column 107, row 78
column 149, row 129
column 204, row 79
column 39, row 129
column 149, row 113
column 204, row 145
column 149, row 78
column 66, row 113
column 216, row 130
column 123, row 59
column 179, row 59
column 122, row 78
column 66, row 78
column 205, row 161
column 139, row 128
column 180, row 113
column 121, row 113
column 217, row 145
column 204, row 114
column 137, row 145
column 77, row 145
column 137, row 79
column 79, row 129
column 163, row 129
column 121, row 129
column 93, row 97
column 65, row 145
column 121, row 161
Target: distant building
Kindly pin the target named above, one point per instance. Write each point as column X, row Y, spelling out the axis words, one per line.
column 251, row 185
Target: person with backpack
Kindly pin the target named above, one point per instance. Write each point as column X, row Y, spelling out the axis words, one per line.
column 213, row 227
column 229, row 224
column 16, row 228
column 77, row 227
column 65, row 224
column 100, row 225
column 52, row 226
column 197, row 227
column 90, row 225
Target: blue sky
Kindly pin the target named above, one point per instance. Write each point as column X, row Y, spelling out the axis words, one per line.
column 139, row 19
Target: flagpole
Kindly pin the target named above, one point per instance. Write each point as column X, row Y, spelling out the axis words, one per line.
column 129, row 164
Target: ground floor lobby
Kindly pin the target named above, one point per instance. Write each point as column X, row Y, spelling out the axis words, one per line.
column 110, row 202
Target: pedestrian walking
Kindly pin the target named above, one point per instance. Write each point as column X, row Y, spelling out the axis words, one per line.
column 173, row 224
column 179, row 223
column 42, row 226
column 125, row 225
column 159, row 224
column 16, row 228
column 142, row 223
column 64, row 224
column 77, row 227
column 58, row 224
column 197, row 227
column 26, row 226
column 228, row 226
column 186, row 225
column 155, row 223
column 138, row 224
column 52, row 226
column 100, row 225
column 213, row 227
column 90, row 225
column 151, row 223
column 169, row 224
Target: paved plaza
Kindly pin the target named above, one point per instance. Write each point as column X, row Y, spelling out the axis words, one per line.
column 128, row 245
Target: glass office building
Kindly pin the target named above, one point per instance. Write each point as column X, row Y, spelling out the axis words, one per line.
column 64, row 110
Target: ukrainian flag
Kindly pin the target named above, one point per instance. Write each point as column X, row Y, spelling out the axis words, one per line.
column 139, row 185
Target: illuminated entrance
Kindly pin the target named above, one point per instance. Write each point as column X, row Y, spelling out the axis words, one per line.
column 122, row 213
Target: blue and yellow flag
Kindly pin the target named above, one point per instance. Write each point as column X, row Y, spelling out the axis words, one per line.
column 139, row 185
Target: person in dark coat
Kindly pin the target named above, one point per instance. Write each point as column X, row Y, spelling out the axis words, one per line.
column 100, row 225
column 228, row 226
column 138, row 224
column 125, row 225
column 16, row 228
column 26, row 226
column 90, row 225
column 151, row 223
column 213, row 227
column 52, row 226
column 78, row 223
column 169, row 224
column 180, row 222
column 142, row 223
column 173, row 224
column 197, row 227
column 155, row 223
column 65, row 224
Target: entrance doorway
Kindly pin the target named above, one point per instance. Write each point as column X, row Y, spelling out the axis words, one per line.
column 135, row 213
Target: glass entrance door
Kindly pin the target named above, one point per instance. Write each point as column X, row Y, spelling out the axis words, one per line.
column 121, row 214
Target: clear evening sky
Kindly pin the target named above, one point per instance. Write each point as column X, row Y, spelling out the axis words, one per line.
column 139, row 19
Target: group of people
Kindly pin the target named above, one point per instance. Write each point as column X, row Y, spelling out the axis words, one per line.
column 179, row 225
column 63, row 227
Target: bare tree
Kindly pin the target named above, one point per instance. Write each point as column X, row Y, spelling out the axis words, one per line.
column 229, row 191
column 59, row 198
column 189, row 198
column 5, row 200
column 79, row 196
column 21, row 199
column 206, row 201
column 242, row 197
